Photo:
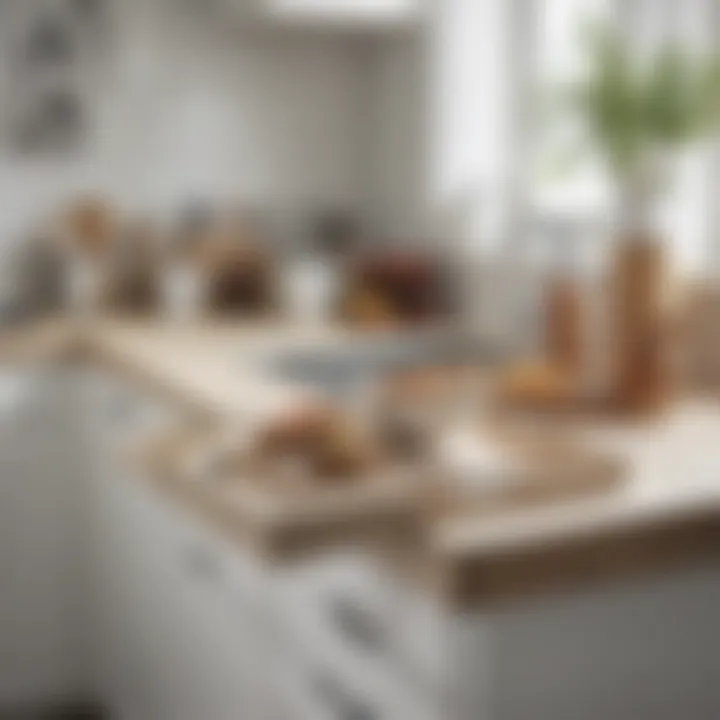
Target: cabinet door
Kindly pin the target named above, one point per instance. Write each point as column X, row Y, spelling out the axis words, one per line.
column 210, row 632
column 127, row 536
column 176, row 623
column 178, row 627
column 42, row 539
column 127, row 642
column 339, row 620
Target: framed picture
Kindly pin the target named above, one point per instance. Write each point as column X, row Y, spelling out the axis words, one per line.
column 50, row 75
column 51, row 123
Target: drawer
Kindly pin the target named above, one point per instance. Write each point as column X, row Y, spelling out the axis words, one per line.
column 319, row 690
column 315, row 693
column 342, row 599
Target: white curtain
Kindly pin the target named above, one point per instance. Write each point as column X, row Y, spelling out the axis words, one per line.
column 569, row 197
column 470, row 105
column 688, row 210
column 560, row 59
column 690, row 218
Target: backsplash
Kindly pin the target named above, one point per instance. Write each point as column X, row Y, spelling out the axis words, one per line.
column 190, row 109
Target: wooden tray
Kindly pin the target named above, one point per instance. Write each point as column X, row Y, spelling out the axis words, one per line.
column 263, row 487
column 552, row 467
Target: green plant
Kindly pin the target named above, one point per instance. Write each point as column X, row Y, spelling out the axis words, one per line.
column 638, row 110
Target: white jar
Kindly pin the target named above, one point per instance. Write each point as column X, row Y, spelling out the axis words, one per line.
column 86, row 280
column 311, row 286
column 183, row 290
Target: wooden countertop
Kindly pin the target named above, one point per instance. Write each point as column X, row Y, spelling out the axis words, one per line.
column 667, row 511
column 44, row 340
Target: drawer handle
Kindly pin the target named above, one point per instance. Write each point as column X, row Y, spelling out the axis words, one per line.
column 356, row 624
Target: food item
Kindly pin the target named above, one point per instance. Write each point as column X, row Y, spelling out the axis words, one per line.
column 537, row 384
column 411, row 280
column 239, row 272
column 403, row 436
column 342, row 454
column 370, row 309
column 320, row 437
column 299, row 429
column 428, row 383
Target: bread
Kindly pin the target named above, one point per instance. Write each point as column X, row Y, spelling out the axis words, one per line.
column 537, row 384
column 370, row 309
column 321, row 437
column 298, row 430
column 342, row 454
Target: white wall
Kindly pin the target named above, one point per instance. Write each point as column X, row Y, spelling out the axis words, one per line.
column 470, row 95
column 398, row 169
column 194, row 106
column 239, row 114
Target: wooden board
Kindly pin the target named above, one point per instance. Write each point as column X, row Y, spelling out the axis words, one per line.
column 553, row 469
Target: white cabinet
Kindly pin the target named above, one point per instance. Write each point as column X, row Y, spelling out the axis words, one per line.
column 187, row 625
column 176, row 650
column 337, row 615
column 175, row 628
column 634, row 649
column 641, row 649
column 43, row 490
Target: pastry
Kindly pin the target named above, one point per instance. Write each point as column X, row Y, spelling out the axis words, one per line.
column 537, row 384
column 370, row 309
column 318, row 437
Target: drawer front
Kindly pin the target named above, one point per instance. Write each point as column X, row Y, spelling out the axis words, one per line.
column 314, row 689
column 343, row 600
column 339, row 642
column 356, row 618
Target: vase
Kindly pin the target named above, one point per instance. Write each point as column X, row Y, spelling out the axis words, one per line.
column 643, row 373
column 641, row 316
